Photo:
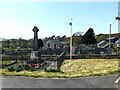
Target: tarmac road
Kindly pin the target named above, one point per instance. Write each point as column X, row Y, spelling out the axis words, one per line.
column 106, row 81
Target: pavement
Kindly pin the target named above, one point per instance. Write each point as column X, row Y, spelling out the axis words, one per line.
column 107, row 81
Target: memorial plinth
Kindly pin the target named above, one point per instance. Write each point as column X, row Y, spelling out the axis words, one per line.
column 35, row 54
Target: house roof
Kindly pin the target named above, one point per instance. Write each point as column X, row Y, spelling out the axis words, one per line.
column 102, row 44
column 118, row 41
column 52, row 43
column 105, row 43
column 112, row 39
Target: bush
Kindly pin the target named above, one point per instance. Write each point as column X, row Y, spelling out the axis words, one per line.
column 26, row 67
column 11, row 69
column 33, row 69
column 19, row 68
column 52, row 70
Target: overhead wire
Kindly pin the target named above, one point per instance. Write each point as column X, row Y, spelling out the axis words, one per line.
column 115, row 19
column 118, row 14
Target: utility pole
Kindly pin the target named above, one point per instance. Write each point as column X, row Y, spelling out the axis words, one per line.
column 110, row 40
column 118, row 18
column 71, row 41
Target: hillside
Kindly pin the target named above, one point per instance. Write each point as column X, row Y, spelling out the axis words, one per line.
column 112, row 35
column 101, row 37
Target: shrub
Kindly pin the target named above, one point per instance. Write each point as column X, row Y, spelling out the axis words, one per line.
column 19, row 68
column 11, row 69
column 52, row 70
column 26, row 67
column 32, row 69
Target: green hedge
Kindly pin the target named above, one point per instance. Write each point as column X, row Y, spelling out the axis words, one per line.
column 11, row 69
column 52, row 70
column 20, row 68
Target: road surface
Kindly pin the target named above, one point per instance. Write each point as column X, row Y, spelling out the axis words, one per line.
column 106, row 81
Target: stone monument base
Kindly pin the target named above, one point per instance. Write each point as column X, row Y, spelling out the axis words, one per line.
column 35, row 57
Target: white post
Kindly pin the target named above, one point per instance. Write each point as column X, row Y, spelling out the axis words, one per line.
column 118, row 18
column 71, row 42
column 110, row 40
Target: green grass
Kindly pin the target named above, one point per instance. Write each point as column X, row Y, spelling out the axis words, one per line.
column 73, row 69
column 6, row 62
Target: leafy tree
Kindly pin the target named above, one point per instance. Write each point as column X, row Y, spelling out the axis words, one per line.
column 30, row 43
column 76, row 40
column 89, row 37
column 24, row 43
column 8, row 43
column 58, row 37
column 40, row 43
column 78, row 34
column 64, row 37
column 100, row 37
column 53, row 37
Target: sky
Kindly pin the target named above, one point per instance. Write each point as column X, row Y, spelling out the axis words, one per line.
column 17, row 19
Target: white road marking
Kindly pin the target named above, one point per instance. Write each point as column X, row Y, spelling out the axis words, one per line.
column 118, row 79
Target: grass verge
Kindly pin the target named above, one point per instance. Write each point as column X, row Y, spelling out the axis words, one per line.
column 74, row 69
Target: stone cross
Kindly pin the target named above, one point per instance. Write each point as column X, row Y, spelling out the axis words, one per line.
column 35, row 41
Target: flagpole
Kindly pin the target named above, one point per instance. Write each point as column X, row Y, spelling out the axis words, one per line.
column 71, row 42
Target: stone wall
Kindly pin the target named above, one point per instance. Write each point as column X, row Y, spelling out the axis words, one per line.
column 55, row 64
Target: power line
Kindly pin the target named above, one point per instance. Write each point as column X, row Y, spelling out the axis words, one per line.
column 115, row 19
column 113, row 22
column 118, row 14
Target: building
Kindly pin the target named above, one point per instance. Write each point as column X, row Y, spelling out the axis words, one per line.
column 105, row 43
column 117, row 43
column 53, row 44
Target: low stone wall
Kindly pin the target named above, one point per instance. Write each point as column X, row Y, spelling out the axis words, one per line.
column 56, row 63
column 93, row 56
column 51, row 65
column 77, row 56
column 60, row 60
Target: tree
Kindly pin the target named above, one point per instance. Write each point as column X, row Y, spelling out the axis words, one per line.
column 30, row 43
column 89, row 37
column 53, row 37
column 8, row 43
column 58, row 37
column 40, row 43
column 78, row 34
column 24, row 43
column 64, row 36
column 100, row 37
column 76, row 40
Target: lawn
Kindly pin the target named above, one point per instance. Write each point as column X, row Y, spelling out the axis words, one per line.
column 73, row 69
column 6, row 62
